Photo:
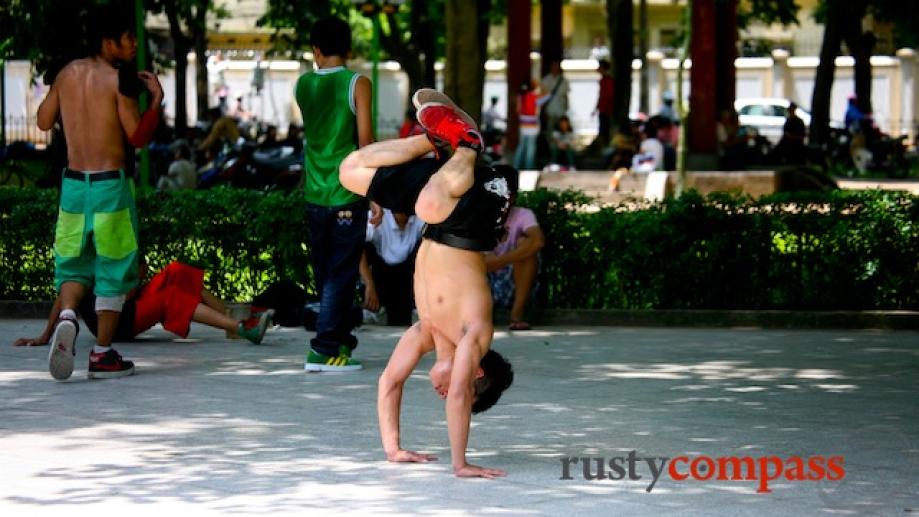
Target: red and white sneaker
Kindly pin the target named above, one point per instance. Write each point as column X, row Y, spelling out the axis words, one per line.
column 108, row 365
column 442, row 122
column 60, row 356
column 428, row 95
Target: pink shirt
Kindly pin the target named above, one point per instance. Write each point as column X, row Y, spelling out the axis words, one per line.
column 519, row 220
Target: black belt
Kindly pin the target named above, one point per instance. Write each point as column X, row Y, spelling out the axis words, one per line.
column 92, row 176
column 455, row 241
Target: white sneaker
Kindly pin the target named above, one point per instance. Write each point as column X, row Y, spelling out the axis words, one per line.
column 63, row 349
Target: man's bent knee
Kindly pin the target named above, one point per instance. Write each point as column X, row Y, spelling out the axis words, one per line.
column 109, row 303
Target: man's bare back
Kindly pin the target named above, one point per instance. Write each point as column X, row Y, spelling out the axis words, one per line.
column 96, row 118
column 87, row 90
column 96, row 233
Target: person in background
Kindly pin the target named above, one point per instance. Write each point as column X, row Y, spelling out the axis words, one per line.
column 270, row 140
column 410, row 126
column 223, row 131
column 854, row 115
column 388, row 265
column 667, row 110
column 182, row 173
column 173, row 298
column 562, row 144
column 294, row 137
column 625, row 144
column 491, row 117
column 556, row 89
column 650, row 156
column 528, row 109
column 513, row 264
column 791, row 149
column 95, row 245
column 493, row 127
column 604, row 109
column 732, row 142
column 335, row 106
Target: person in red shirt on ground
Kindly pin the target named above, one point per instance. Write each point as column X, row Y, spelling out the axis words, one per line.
column 174, row 297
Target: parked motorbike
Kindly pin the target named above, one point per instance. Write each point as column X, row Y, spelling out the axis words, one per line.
column 277, row 168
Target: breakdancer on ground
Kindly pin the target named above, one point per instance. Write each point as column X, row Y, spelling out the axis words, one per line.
column 465, row 207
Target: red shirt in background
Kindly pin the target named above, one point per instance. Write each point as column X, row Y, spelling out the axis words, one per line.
column 605, row 102
column 410, row 128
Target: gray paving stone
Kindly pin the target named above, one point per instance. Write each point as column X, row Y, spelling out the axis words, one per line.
column 212, row 426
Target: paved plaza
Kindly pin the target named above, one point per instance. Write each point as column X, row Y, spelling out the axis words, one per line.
column 211, row 426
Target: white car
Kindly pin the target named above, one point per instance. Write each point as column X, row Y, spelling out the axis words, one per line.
column 767, row 115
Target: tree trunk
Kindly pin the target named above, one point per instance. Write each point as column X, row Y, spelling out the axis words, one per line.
column 484, row 22
column 181, row 108
column 619, row 18
column 826, row 70
column 199, row 36
column 518, row 64
column 726, row 55
column 704, row 84
column 860, row 44
column 181, row 46
column 682, row 157
column 551, row 34
column 463, row 75
column 412, row 67
column 423, row 39
column 644, row 102
column 405, row 54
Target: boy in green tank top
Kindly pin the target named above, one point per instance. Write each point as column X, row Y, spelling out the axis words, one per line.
column 335, row 103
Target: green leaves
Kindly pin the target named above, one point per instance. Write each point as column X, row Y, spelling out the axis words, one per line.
column 843, row 250
column 789, row 251
column 784, row 12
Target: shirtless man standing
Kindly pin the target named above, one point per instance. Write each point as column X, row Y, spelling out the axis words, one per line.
column 465, row 207
column 96, row 234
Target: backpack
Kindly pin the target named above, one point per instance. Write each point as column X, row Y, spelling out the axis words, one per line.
column 287, row 299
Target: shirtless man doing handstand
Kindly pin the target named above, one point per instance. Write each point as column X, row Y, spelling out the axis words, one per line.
column 465, row 207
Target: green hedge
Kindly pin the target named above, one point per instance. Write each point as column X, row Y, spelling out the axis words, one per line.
column 842, row 250
column 245, row 240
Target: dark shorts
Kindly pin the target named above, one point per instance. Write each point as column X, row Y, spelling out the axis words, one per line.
column 397, row 188
column 124, row 333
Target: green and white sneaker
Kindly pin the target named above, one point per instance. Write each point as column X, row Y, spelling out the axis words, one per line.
column 316, row 362
column 254, row 328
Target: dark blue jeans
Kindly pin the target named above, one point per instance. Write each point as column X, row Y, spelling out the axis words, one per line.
column 336, row 240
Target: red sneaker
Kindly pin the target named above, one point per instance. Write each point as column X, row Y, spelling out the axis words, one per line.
column 442, row 148
column 108, row 365
column 442, row 122
column 428, row 95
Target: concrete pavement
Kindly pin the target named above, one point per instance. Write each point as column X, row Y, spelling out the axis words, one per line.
column 220, row 427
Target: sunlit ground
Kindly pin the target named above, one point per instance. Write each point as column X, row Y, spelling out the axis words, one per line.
column 211, row 425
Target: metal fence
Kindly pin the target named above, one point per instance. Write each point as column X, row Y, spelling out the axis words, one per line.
column 25, row 129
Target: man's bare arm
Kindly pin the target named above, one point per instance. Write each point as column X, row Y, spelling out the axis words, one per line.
column 363, row 103
column 49, row 109
column 459, row 404
column 140, row 128
column 371, row 300
column 358, row 168
column 49, row 328
column 528, row 245
column 405, row 357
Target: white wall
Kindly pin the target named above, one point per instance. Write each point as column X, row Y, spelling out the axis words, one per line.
column 893, row 94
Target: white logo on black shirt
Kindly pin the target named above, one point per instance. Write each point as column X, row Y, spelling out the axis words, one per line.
column 498, row 186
